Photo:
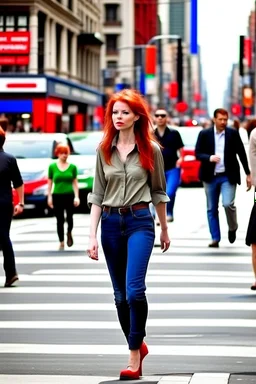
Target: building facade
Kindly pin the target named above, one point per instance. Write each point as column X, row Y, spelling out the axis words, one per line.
column 117, row 58
column 50, row 64
column 127, row 27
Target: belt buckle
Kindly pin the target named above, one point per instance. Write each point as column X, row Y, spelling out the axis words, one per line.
column 120, row 210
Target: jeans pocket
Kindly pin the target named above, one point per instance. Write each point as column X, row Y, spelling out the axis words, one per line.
column 104, row 215
column 143, row 213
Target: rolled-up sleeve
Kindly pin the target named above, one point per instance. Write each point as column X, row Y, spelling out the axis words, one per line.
column 99, row 185
column 158, row 181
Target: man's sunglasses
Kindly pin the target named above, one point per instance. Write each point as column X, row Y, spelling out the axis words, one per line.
column 160, row 115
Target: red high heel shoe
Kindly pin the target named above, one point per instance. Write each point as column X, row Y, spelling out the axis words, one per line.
column 127, row 374
column 143, row 353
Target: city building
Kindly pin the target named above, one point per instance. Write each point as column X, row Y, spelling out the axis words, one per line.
column 50, row 64
column 126, row 33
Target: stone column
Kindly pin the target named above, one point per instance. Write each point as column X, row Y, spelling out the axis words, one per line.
column 33, row 28
column 47, row 45
column 74, row 55
column 64, row 53
column 75, row 7
column 53, row 53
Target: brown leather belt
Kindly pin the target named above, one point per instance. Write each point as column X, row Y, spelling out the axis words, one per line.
column 129, row 208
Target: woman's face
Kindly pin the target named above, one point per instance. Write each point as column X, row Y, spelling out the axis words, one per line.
column 63, row 155
column 122, row 116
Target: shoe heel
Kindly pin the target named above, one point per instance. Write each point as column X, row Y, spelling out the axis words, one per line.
column 143, row 354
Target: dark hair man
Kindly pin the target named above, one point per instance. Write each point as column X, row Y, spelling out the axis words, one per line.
column 217, row 148
column 9, row 175
column 171, row 142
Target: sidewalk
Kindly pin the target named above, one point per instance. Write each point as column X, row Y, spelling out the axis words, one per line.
column 196, row 378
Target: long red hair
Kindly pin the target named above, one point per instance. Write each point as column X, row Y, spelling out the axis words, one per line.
column 143, row 128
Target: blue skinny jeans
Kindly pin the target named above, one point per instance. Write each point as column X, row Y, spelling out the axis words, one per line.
column 127, row 240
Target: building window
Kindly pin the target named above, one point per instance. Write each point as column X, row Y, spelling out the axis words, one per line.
column 110, row 73
column 14, row 23
column 70, row 4
column 112, row 64
column 177, row 19
column 10, row 21
column 112, row 14
column 111, row 44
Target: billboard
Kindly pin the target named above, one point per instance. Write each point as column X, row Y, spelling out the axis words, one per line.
column 14, row 48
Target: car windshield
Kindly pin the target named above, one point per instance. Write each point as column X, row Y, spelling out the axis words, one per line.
column 30, row 149
column 86, row 145
column 189, row 136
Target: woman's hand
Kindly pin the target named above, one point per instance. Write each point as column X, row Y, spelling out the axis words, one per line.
column 164, row 240
column 76, row 201
column 49, row 201
column 93, row 247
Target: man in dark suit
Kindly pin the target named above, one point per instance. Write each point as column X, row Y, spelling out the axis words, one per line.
column 217, row 148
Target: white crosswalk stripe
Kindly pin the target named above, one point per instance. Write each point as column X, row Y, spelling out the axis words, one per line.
column 50, row 280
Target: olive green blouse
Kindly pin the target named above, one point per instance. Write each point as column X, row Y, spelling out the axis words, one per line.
column 122, row 184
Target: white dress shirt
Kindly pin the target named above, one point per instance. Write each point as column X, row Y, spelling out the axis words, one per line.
column 219, row 139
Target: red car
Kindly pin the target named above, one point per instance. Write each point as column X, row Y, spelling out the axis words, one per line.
column 189, row 166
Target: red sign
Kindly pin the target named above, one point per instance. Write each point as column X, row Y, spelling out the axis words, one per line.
column 54, row 106
column 173, row 89
column 236, row 109
column 150, row 60
column 181, row 106
column 197, row 97
column 248, row 52
column 247, row 97
column 15, row 43
column 14, row 60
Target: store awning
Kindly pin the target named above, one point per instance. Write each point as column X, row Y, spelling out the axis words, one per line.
column 90, row 39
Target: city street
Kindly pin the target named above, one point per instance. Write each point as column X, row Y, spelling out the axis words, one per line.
column 59, row 325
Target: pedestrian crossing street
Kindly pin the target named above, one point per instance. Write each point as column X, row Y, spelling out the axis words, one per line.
column 201, row 311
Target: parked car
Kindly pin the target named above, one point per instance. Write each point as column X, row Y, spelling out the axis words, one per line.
column 189, row 166
column 34, row 152
column 85, row 145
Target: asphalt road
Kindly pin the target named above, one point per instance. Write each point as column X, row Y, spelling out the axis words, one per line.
column 59, row 324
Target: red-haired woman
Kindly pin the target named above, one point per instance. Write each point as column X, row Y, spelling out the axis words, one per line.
column 9, row 174
column 63, row 192
column 129, row 175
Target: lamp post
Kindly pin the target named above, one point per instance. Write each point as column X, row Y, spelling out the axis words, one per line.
column 143, row 48
column 139, row 65
column 179, row 64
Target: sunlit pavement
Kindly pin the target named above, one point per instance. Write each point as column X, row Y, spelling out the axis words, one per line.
column 62, row 310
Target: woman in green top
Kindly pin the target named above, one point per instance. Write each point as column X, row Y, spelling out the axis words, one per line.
column 63, row 192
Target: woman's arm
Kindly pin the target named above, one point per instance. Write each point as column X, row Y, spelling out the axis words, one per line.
column 49, row 193
column 93, row 243
column 76, row 192
column 164, row 237
column 161, row 214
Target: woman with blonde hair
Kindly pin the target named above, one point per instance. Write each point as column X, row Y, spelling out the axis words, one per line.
column 129, row 175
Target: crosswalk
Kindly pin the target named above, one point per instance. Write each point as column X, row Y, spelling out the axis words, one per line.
column 59, row 324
